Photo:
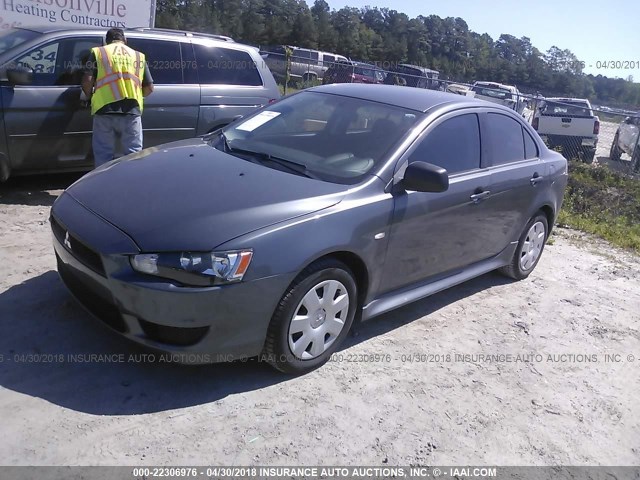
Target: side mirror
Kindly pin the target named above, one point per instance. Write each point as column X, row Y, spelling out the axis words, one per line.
column 20, row 75
column 425, row 177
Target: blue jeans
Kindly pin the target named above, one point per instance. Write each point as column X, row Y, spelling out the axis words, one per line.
column 111, row 127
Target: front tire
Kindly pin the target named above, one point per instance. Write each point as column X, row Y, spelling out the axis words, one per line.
column 529, row 250
column 312, row 319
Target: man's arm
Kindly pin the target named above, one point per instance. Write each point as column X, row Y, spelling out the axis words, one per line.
column 89, row 77
column 147, row 82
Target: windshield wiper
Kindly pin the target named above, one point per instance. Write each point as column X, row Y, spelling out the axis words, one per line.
column 262, row 157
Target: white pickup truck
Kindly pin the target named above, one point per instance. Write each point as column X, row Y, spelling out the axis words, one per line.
column 568, row 123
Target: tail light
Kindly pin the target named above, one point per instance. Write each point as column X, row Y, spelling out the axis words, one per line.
column 596, row 127
column 272, row 100
column 535, row 123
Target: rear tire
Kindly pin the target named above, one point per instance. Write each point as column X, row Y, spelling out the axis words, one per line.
column 5, row 170
column 529, row 250
column 309, row 77
column 588, row 156
column 615, row 153
column 312, row 319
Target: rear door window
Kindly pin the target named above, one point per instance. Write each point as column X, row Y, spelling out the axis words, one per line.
column 530, row 147
column 505, row 137
column 226, row 66
column 163, row 57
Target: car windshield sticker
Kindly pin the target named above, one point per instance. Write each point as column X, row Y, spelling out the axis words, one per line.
column 257, row 121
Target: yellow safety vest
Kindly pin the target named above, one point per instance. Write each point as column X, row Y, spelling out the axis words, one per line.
column 120, row 74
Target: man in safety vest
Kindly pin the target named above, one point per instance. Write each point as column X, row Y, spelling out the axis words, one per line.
column 116, row 79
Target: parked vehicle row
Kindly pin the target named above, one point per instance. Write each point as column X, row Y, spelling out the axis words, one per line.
column 306, row 64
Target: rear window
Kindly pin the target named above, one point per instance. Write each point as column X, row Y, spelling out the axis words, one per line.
column 493, row 92
column 163, row 58
column 226, row 66
column 367, row 72
column 15, row 37
column 304, row 55
column 574, row 109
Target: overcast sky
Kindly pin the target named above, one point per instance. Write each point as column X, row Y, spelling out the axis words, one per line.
column 594, row 30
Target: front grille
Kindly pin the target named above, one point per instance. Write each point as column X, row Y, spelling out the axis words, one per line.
column 98, row 306
column 78, row 249
column 173, row 335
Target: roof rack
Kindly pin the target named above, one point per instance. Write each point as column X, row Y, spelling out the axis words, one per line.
column 182, row 33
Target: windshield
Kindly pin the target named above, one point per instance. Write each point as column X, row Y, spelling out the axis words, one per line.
column 493, row 92
column 14, row 37
column 332, row 138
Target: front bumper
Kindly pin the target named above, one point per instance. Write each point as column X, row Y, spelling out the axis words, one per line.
column 193, row 325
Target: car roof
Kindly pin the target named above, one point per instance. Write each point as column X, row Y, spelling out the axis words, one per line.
column 417, row 99
column 160, row 32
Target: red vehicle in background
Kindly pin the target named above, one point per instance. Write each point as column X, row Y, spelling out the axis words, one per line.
column 353, row 72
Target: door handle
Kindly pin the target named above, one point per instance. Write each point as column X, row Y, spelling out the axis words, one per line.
column 478, row 197
column 536, row 179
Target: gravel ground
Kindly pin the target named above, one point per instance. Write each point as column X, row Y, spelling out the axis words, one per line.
column 548, row 397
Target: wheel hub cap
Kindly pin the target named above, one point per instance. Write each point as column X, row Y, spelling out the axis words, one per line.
column 533, row 245
column 319, row 318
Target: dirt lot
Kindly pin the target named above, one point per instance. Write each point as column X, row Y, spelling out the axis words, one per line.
column 450, row 405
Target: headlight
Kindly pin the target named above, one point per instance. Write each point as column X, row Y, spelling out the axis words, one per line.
column 196, row 269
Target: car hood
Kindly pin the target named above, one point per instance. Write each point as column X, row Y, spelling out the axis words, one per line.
column 188, row 195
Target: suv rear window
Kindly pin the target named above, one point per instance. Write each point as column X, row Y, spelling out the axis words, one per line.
column 163, row 58
column 226, row 66
column 302, row 55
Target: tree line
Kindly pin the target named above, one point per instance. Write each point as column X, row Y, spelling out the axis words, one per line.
column 387, row 36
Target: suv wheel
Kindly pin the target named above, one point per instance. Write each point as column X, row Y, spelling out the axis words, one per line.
column 529, row 248
column 309, row 77
column 312, row 319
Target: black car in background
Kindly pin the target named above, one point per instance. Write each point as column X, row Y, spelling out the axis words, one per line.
column 412, row 76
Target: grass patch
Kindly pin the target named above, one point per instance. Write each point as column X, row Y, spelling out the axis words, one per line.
column 603, row 202
column 290, row 89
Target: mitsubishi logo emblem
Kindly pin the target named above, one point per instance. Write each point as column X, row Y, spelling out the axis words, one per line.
column 67, row 241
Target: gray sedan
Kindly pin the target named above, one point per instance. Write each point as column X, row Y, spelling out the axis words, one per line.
column 339, row 203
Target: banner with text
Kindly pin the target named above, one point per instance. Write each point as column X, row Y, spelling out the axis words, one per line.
column 83, row 13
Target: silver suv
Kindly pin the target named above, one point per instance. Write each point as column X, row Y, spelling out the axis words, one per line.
column 306, row 64
column 202, row 82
